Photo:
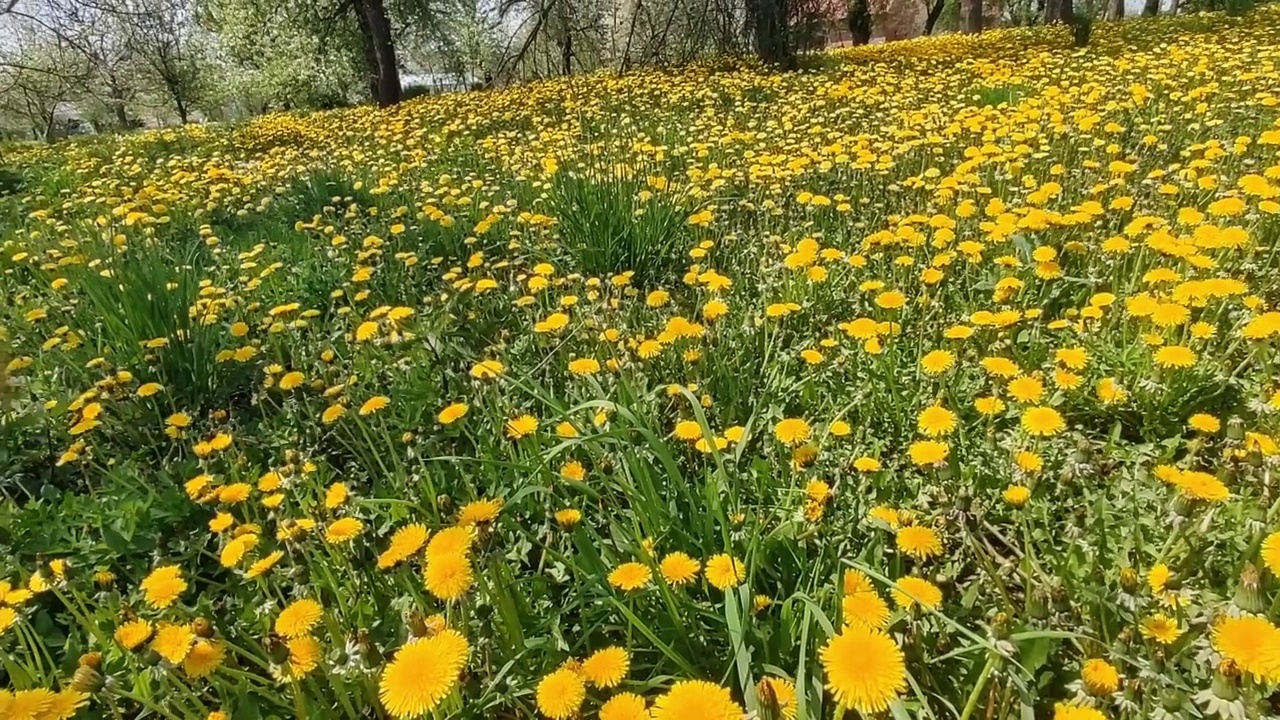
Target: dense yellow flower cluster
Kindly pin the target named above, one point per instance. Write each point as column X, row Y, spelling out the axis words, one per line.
column 700, row 393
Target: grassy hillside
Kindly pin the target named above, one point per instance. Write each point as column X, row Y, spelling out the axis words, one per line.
column 936, row 380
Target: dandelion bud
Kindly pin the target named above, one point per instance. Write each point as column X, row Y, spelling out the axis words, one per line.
column 1248, row 596
column 277, row 649
column 90, row 660
column 1000, row 626
column 1173, row 700
column 202, row 628
column 444, row 502
column 1125, row 636
column 418, row 624
column 1128, row 580
column 1038, row 605
column 1224, row 681
column 1081, row 454
column 1182, row 505
column 1235, row 429
column 86, row 679
column 770, row 708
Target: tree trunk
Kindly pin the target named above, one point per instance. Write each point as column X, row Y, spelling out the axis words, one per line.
column 180, row 106
column 935, row 12
column 859, row 17
column 1151, row 8
column 384, row 50
column 1173, row 7
column 369, row 53
column 566, row 54
column 118, row 106
column 1115, row 9
column 1059, row 11
column 771, row 31
column 971, row 16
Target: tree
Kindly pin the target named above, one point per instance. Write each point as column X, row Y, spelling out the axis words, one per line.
column 972, row 16
column 1151, row 8
column 375, row 27
column 164, row 36
column 94, row 34
column 768, row 20
column 859, row 19
column 289, row 53
column 932, row 14
column 39, row 74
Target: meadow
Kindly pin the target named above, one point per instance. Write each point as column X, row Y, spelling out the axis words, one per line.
column 934, row 380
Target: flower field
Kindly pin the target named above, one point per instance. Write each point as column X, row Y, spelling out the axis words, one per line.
column 936, row 380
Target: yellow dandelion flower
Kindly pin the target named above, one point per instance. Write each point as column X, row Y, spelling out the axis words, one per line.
column 1042, row 421
column 404, row 543
column 521, row 426
column 725, row 571
column 1161, row 628
column 342, row 530
column 865, row 669
column 452, row 413
column 374, row 404
column 448, row 575
column 1099, row 676
column 1252, row 643
column 938, row 362
column 928, row 452
column 304, row 656
column 133, row 634
column 480, row 511
column 299, row 617
column 689, row 699
column 630, row 576
column 778, row 694
column 423, row 673
column 1062, row 711
column 1017, row 495
column 792, row 431
column 920, row 543
column 624, row 706
column 1175, row 356
column 606, row 668
column 560, row 695
column 936, row 421
column 163, row 586
column 865, row 607
column 912, row 591
column 679, row 569
column 204, row 658
column 173, row 642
